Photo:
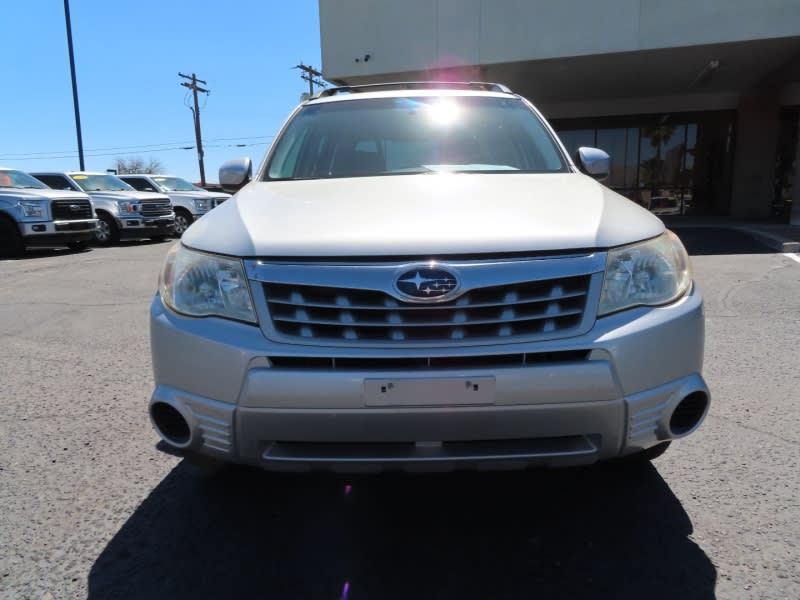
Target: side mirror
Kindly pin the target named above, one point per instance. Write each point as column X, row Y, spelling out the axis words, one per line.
column 594, row 162
column 235, row 174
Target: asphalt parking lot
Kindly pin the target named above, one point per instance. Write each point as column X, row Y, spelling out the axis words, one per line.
column 89, row 507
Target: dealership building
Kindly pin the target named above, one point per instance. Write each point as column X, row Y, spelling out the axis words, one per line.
column 697, row 102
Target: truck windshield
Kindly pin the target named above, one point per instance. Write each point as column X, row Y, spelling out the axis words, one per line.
column 101, row 183
column 176, row 184
column 10, row 178
column 425, row 134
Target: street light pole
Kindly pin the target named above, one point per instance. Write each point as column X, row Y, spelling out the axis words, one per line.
column 74, row 84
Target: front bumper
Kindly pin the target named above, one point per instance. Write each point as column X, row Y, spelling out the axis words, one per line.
column 131, row 227
column 636, row 367
column 54, row 233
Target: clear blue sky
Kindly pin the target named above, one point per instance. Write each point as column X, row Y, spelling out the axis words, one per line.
column 127, row 56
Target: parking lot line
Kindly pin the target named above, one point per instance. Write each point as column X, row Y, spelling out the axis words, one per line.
column 794, row 257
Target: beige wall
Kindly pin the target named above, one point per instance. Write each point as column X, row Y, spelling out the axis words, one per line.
column 412, row 35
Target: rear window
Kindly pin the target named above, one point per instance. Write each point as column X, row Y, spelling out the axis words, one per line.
column 394, row 136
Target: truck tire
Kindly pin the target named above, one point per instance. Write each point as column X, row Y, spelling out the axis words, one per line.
column 78, row 246
column 11, row 243
column 107, row 232
column 183, row 218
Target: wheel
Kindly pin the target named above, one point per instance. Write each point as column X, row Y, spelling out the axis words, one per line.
column 11, row 242
column 182, row 221
column 78, row 246
column 107, row 232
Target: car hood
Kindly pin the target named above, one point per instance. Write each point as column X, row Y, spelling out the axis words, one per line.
column 48, row 194
column 422, row 215
column 125, row 195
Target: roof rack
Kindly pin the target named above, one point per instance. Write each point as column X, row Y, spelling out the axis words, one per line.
column 414, row 85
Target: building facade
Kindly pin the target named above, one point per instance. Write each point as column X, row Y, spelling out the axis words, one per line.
column 698, row 103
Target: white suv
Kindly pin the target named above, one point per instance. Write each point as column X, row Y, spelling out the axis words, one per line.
column 420, row 277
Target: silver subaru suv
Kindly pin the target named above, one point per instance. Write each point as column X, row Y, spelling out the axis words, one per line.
column 420, row 277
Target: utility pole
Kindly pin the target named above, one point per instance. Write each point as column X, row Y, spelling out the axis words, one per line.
column 312, row 76
column 196, row 111
column 74, row 84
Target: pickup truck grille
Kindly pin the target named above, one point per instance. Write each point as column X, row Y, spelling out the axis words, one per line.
column 156, row 208
column 548, row 308
column 71, row 209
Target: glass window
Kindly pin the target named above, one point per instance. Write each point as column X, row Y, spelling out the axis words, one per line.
column 57, row 182
column 139, row 183
column 388, row 136
column 175, row 184
column 614, row 141
column 11, row 178
column 100, row 183
column 576, row 138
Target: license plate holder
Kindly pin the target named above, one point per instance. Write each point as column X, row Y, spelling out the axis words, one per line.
column 430, row 391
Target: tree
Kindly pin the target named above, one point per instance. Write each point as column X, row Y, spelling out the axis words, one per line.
column 138, row 165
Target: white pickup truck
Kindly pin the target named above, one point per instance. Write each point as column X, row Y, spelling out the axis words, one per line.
column 122, row 211
column 189, row 201
column 31, row 214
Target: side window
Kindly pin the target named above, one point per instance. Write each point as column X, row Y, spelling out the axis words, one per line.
column 138, row 183
column 57, row 182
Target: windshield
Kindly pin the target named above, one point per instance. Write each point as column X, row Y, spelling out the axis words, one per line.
column 10, row 178
column 101, row 183
column 176, row 184
column 389, row 136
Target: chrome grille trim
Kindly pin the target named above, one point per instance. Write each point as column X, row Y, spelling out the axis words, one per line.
column 155, row 208
column 355, row 304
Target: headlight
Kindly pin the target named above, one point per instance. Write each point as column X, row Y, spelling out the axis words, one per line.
column 32, row 209
column 126, row 207
column 201, row 204
column 647, row 273
column 204, row 285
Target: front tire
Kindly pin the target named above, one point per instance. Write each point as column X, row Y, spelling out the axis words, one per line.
column 183, row 219
column 107, row 232
column 78, row 246
column 11, row 243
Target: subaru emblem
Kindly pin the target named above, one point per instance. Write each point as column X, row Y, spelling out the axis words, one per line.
column 428, row 283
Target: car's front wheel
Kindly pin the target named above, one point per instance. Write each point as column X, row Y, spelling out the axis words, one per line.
column 11, row 242
column 107, row 232
column 183, row 219
column 78, row 246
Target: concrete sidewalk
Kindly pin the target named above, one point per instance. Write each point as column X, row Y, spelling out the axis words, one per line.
column 779, row 237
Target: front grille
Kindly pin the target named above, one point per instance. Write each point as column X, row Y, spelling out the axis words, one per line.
column 71, row 209
column 549, row 308
column 156, row 208
column 217, row 201
column 417, row 363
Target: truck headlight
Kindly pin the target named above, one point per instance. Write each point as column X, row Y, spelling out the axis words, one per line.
column 32, row 209
column 126, row 207
column 645, row 274
column 202, row 205
column 205, row 285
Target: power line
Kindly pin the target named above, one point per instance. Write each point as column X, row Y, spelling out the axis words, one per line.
column 135, row 148
column 98, row 155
